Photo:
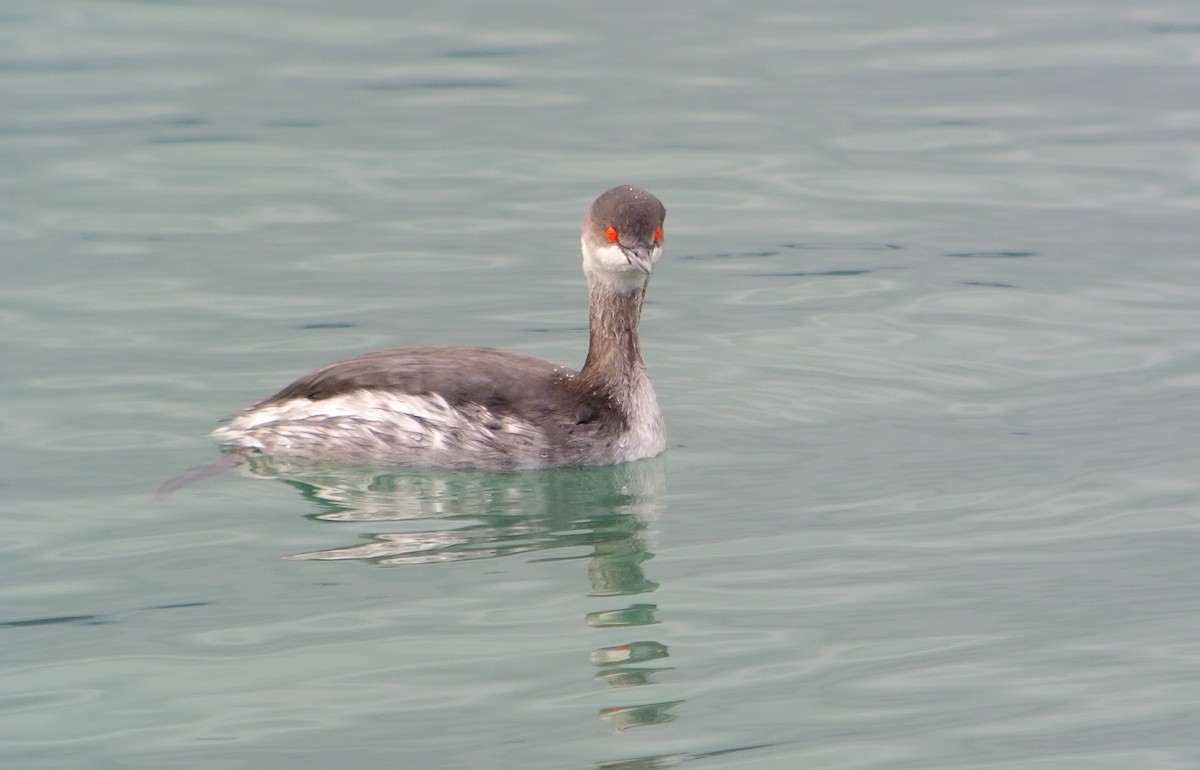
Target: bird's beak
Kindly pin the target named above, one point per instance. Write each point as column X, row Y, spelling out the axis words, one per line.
column 639, row 257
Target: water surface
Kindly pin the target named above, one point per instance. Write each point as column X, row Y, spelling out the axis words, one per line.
column 925, row 336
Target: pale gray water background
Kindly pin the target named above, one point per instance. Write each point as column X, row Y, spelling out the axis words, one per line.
column 925, row 335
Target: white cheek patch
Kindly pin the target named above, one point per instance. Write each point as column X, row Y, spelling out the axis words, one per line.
column 608, row 263
column 610, row 257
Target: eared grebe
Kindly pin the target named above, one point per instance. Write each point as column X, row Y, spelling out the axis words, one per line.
column 462, row 407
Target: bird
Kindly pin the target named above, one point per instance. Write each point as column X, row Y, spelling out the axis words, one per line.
column 451, row 406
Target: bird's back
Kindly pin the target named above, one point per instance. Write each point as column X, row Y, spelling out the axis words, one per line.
column 436, row 405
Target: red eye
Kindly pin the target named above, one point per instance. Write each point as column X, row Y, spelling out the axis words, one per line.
column 657, row 234
column 610, row 233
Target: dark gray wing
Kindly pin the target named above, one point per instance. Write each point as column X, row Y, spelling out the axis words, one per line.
column 499, row 380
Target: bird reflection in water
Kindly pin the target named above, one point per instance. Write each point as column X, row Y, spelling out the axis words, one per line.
column 491, row 514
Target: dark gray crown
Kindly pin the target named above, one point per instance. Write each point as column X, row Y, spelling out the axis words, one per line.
column 635, row 213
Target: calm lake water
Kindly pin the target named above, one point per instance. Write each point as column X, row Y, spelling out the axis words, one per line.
column 925, row 334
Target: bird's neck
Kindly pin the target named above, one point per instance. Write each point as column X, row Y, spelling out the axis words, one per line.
column 614, row 356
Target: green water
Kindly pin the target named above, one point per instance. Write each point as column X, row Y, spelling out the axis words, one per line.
column 924, row 335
